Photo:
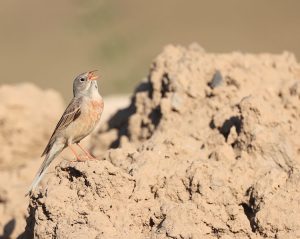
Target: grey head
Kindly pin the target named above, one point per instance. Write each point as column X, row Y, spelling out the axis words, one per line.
column 85, row 84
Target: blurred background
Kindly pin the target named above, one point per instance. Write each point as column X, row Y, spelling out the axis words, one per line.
column 50, row 42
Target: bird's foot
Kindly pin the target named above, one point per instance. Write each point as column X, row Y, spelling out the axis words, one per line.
column 80, row 158
column 89, row 156
column 86, row 152
column 83, row 158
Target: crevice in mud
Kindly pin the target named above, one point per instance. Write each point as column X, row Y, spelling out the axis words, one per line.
column 74, row 173
column 250, row 210
column 164, row 85
column 169, row 236
column 234, row 121
column 250, row 213
column 55, row 231
column 217, row 232
column 188, row 187
column 212, row 124
column 134, row 187
column 46, row 212
column 159, row 226
column 151, row 222
column 155, row 116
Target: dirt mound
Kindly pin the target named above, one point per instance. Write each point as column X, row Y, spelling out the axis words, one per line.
column 208, row 148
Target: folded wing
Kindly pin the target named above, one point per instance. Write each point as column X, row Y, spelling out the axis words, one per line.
column 71, row 113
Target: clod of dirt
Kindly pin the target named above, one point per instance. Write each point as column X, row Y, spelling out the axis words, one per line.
column 194, row 161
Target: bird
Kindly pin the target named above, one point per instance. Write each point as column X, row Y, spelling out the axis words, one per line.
column 78, row 121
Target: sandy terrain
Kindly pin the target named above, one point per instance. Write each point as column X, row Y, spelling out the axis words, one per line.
column 208, row 148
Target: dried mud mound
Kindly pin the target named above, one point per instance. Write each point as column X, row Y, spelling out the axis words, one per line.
column 209, row 148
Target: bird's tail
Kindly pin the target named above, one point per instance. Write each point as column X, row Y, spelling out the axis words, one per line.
column 42, row 170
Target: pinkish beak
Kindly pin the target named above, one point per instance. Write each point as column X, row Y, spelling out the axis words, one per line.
column 92, row 76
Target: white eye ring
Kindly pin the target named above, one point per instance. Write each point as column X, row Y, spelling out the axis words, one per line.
column 82, row 79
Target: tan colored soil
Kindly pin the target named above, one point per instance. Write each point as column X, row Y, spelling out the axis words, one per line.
column 208, row 148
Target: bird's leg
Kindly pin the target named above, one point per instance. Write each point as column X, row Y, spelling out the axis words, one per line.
column 74, row 152
column 86, row 152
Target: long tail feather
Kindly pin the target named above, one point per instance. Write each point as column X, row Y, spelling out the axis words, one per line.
column 42, row 170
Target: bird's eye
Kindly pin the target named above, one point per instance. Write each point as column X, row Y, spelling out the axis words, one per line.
column 82, row 79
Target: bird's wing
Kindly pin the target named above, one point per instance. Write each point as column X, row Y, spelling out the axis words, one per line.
column 71, row 113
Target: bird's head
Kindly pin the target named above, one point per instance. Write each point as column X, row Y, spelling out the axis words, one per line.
column 85, row 84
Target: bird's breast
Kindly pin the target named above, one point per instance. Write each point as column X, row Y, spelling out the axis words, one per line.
column 96, row 108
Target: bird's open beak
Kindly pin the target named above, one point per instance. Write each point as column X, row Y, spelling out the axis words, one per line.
column 92, row 76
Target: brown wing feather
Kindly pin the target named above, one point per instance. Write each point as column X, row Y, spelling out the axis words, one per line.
column 71, row 113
